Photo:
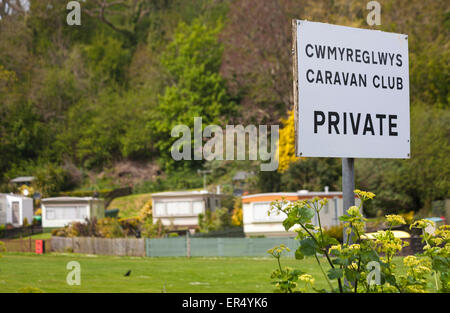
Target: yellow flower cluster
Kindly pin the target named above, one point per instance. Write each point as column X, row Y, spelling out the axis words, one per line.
column 422, row 224
column 323, row 202
column 353, row 211
column 354, row 247
column 394, row 220
column 346, row 250
column 353, row 266
column 307, row 279
column 335, row 247
column 387, row 243
column 364, row 195
column 417, row 267
column 443, row 232
column 277, row 250
column 415, row 289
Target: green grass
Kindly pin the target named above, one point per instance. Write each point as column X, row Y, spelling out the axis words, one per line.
column 130, row 206
column 45, row 235
column 106, row 273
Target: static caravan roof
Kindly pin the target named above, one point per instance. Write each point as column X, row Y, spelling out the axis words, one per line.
column 184, row 194
column 69, row 199
column 14, row 195
column 293, row 196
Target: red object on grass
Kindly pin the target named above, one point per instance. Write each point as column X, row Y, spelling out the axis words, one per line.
column 39, row 246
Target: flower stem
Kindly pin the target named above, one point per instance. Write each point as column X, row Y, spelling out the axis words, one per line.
column 323, row 272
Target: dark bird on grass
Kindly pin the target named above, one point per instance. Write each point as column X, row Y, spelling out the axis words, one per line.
column 127, row 273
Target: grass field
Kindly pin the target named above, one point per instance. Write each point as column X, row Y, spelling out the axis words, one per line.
column 129, row 206
column 106, row 273
column 46, row 235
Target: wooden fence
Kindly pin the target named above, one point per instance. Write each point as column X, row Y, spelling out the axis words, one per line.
column 24, row 245
column 105, row 246
column 180, row 246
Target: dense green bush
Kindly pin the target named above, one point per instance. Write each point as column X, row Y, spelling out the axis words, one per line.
column 336, row 231
column 219, row 219
column 109, row 227
column 181, row 179
column 52, row 179
column 85, row 193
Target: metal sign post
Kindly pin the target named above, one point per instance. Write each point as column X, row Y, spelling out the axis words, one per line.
column 348, row 185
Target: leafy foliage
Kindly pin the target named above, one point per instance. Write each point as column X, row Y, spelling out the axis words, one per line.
column 196, row 90
column 359, row 259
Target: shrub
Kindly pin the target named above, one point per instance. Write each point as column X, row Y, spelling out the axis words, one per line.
column 213, row 221
column 59, row 232
column 359, row 259
column 109, row 228
column 152, row 230
column 336, row 231
column 25, row 222
column 146, row 211
column 130, row 225
column 237, row 217
column 86, row 193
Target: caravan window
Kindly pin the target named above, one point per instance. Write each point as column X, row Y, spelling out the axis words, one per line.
column 179, row 208
column 260, row 213
column 160, row 209
column 66, row 213
column 197, row 207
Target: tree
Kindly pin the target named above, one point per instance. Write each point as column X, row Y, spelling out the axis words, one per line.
column 195, row 88
column 257, row 58
column 405, row 185
column 126, row 17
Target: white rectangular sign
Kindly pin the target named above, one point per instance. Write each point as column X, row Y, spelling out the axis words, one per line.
column 352, row 92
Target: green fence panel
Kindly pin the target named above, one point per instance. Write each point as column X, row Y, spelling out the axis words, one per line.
column 259, row 246
column 165, row 247
column 217, row 247
column 206, row 247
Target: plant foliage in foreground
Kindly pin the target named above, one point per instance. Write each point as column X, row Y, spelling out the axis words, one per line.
column 359, row 264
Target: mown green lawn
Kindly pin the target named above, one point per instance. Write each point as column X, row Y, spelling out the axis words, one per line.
column 106, row 273
column 46, row 235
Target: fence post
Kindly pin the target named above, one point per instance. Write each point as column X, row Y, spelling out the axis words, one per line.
column 219, row 246
column 188, row 245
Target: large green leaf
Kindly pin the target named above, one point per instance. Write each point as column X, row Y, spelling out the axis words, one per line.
column 308, row 246
column 335, row 273
column 298, row 254
column 305, row 214
column 289, row 221
column 441, row 264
